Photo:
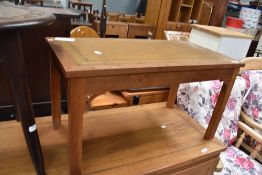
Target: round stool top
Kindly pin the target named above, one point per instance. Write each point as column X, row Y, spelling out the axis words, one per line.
column 14, row 16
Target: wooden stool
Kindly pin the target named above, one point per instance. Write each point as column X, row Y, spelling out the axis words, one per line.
column 13, row 21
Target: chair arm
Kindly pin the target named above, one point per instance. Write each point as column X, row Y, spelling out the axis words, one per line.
column 250, row 131
column 249, row 121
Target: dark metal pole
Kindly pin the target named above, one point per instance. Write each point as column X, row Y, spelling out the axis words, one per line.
column 103, row 20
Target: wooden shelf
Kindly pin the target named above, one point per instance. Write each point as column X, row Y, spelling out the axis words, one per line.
column 197, row 7
column 181, row 10
column 129, row 140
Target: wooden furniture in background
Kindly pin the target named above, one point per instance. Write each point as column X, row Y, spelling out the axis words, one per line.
column 113, row 29
column 136, row 30
column 13, row 20
column 228, row 42
column 83, row 31
column 206, row 12
column 113, row 16
column 184, row 10
column 173, row 12
column 126, row 30
column 178, row 26
column 165, row 13
column 30, row 2
column 218, row 12
column 37, row 58
column 125, row 64
column 80, row 5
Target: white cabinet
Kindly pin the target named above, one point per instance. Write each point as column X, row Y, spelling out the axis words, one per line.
column 227, row 42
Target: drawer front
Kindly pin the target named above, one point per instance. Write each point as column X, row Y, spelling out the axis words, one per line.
column 205, row 168
column 120, row 30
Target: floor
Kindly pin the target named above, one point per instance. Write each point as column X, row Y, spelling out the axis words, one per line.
column 14, row 157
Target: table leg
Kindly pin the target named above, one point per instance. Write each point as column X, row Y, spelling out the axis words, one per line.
column 172, row 96
column 55, row 95
column 12, row 63
column 23, row 106
column 76, row 108
column 220, row 106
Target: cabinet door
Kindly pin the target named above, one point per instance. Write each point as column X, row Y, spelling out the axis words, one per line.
column 205, row 168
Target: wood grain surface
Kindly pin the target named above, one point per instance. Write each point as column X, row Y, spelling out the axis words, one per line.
column 135, row 143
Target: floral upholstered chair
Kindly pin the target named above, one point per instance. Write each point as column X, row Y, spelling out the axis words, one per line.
column 252, row 108
column 199, row 100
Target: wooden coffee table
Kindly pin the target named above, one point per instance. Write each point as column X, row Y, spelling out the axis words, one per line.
column 151, row 139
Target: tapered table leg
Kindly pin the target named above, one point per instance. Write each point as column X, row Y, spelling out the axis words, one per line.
column 55, row 95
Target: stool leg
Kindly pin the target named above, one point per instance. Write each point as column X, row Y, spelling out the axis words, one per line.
column 23, row 105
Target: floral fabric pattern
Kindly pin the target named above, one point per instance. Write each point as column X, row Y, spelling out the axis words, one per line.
column 199, row 100
column 253, row 103
column 237, row 162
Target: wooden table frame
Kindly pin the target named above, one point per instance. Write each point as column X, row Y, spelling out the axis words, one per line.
column 79, row 86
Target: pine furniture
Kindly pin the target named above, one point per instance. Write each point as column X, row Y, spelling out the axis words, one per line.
column 149, row 139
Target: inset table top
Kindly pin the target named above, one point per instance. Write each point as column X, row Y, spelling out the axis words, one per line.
column 95, row 56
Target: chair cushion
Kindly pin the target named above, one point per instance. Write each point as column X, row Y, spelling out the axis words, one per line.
column 253, row 103
column 237, row 162
column 199, row 100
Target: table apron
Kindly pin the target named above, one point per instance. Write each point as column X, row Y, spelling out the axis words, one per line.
column 120, row 82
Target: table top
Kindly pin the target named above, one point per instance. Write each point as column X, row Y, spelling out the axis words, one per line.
column 98, row 57
column 60, row 12
column 13, row 16
column 220, row 31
